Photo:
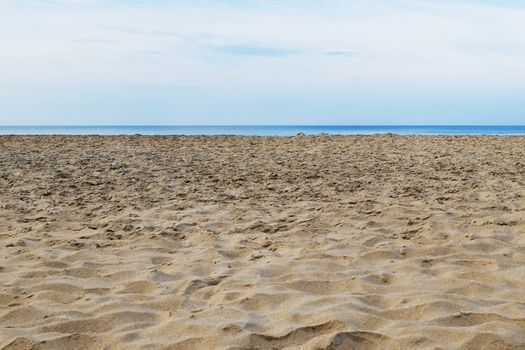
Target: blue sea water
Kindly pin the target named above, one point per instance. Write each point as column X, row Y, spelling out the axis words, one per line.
column 261, row 130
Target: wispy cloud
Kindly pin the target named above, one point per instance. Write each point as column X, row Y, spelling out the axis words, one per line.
column 340, row 53
column 151, row 52
column 251, row 50
column 95, row 41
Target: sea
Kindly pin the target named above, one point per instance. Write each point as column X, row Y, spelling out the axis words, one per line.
column 263, row 130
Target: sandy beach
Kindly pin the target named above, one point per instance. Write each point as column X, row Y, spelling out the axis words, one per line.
column 325, row 242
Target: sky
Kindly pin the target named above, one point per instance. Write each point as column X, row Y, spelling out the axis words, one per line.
column 192, row 62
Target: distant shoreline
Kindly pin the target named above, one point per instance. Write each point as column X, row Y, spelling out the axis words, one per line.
column 276, row 137
column 264, row 130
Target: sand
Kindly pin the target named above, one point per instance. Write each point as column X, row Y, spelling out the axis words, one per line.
column 363, row 242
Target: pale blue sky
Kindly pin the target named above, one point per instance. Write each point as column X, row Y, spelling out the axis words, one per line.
column 262, row 62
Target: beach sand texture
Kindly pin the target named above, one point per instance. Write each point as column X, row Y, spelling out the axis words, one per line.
column 327, row 242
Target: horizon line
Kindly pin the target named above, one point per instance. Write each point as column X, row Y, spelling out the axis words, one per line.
column 262, row 125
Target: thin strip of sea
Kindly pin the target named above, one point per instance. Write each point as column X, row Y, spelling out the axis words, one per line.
column 263, row 130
